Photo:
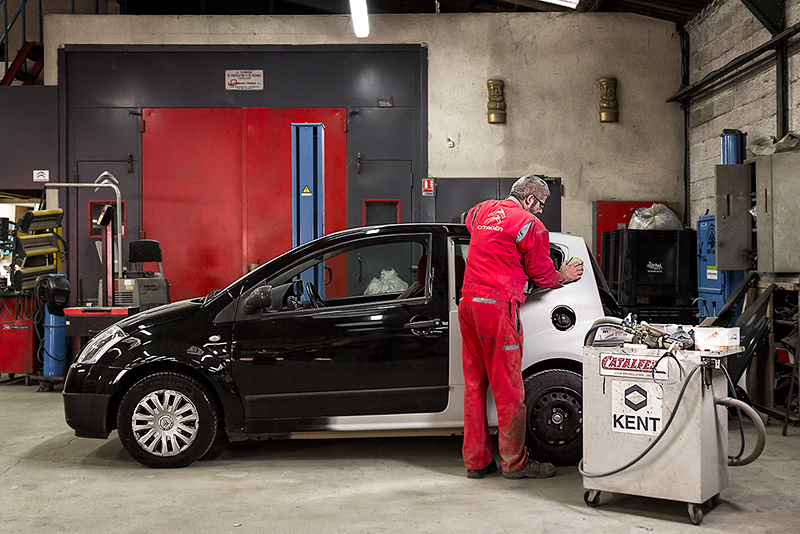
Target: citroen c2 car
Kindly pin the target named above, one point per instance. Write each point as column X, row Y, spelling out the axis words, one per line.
column 356, row 331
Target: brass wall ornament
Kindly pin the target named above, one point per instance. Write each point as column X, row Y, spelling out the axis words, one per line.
column 496, row 104
column 608, row 100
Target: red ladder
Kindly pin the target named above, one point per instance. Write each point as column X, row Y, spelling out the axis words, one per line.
column 30, row 51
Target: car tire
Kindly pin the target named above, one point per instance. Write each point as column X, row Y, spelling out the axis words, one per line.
column 167, row 420
column 554, row 409
column 217, row 448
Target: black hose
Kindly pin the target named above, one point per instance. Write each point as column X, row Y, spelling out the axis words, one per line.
column 597, row 326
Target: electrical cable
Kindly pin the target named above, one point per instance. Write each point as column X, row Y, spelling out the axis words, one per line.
column 668, row 354
column 654, row 442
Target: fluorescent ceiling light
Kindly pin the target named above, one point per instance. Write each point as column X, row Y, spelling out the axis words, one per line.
column 358, row 8
column 566, row 3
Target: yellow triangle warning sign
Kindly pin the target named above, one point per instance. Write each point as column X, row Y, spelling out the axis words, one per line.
column 306, row 191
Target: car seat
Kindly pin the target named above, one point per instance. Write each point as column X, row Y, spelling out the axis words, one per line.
column 418, row 287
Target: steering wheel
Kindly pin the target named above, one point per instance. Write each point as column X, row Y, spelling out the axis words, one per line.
column 313, row 296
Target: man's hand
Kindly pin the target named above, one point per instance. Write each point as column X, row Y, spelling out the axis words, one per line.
column 571, row 271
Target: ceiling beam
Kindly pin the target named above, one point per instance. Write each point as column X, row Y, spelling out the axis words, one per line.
column 589, row 5
column 768, row 12
column 658, row 7
column 733, row 65
column 541, row 6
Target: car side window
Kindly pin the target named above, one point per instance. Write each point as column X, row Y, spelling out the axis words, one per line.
column 368, row 271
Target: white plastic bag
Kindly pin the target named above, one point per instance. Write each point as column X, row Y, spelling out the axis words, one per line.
column 656, row 217
column 389, row 282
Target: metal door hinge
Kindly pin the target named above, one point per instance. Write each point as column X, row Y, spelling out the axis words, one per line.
column 141, row 126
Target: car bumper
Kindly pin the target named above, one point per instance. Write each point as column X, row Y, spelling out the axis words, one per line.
column 85, row 402
column 86, row 414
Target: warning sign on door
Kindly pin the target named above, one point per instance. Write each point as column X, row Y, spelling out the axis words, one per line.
column 636, row 407
column 306, row 192
column 244, row 80
column 427, row 187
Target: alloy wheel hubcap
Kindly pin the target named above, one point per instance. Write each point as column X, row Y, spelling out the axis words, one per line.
column 165, row 422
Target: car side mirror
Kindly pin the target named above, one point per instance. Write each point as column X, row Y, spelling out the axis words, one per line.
column 258, row 299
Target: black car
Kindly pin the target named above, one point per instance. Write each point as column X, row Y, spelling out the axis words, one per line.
column 356, row 331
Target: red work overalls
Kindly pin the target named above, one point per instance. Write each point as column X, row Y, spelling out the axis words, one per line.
column 508, row 246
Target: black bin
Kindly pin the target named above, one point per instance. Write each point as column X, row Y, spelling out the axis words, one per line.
column 686, row 315
column 657, row 267
column 609, row 259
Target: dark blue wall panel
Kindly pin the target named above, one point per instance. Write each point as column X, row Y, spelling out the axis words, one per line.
column 28, row 135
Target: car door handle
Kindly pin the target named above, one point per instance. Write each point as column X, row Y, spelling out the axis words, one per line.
column 432, row 323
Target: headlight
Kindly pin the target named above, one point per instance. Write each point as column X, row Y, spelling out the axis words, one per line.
column 100, row 344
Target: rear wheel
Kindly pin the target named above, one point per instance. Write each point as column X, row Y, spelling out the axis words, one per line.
column 554, row 405
column 167, row 420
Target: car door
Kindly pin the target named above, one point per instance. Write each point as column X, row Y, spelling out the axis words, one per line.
column 382, row 352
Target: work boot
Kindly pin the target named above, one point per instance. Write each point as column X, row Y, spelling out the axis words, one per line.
column 480, row 473
column 533, row 469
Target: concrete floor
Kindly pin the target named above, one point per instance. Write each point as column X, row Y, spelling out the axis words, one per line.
column 51, row 481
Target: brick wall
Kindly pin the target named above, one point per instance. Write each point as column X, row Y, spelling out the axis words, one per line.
column 747, row 101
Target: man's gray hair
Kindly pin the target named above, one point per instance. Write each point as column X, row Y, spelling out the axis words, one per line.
column 530, row 184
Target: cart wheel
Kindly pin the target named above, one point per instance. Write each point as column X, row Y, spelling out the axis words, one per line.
column 11, row 376
column 713, row 501
column 695, row 513
column 592, row 498
column 28, row 380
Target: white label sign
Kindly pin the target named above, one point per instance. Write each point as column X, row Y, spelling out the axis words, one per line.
column 636, row 407
column 711, row 272
column 634, row 366
column 41, row 176
column 244, row 80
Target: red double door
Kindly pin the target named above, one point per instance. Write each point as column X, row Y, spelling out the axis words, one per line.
column 217, row 188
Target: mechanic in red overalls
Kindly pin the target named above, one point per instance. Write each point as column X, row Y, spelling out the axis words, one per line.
column 508, row 247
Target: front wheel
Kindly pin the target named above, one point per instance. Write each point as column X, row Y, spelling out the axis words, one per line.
column 167, row 420
column 554, row 406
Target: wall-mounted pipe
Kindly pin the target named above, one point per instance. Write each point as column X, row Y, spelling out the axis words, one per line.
column 712, row 78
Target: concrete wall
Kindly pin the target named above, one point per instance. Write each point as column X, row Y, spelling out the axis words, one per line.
column 746, row 102
column 550, row 64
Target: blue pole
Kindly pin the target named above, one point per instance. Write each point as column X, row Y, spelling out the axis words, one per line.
column 55, row 344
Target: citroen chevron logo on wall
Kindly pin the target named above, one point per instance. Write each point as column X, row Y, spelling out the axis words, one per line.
column 105, row 178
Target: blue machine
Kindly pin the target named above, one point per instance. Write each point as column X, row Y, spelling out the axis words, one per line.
column 308, row 178
column 714, row 287
column 733, row 146
column 56, row 292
